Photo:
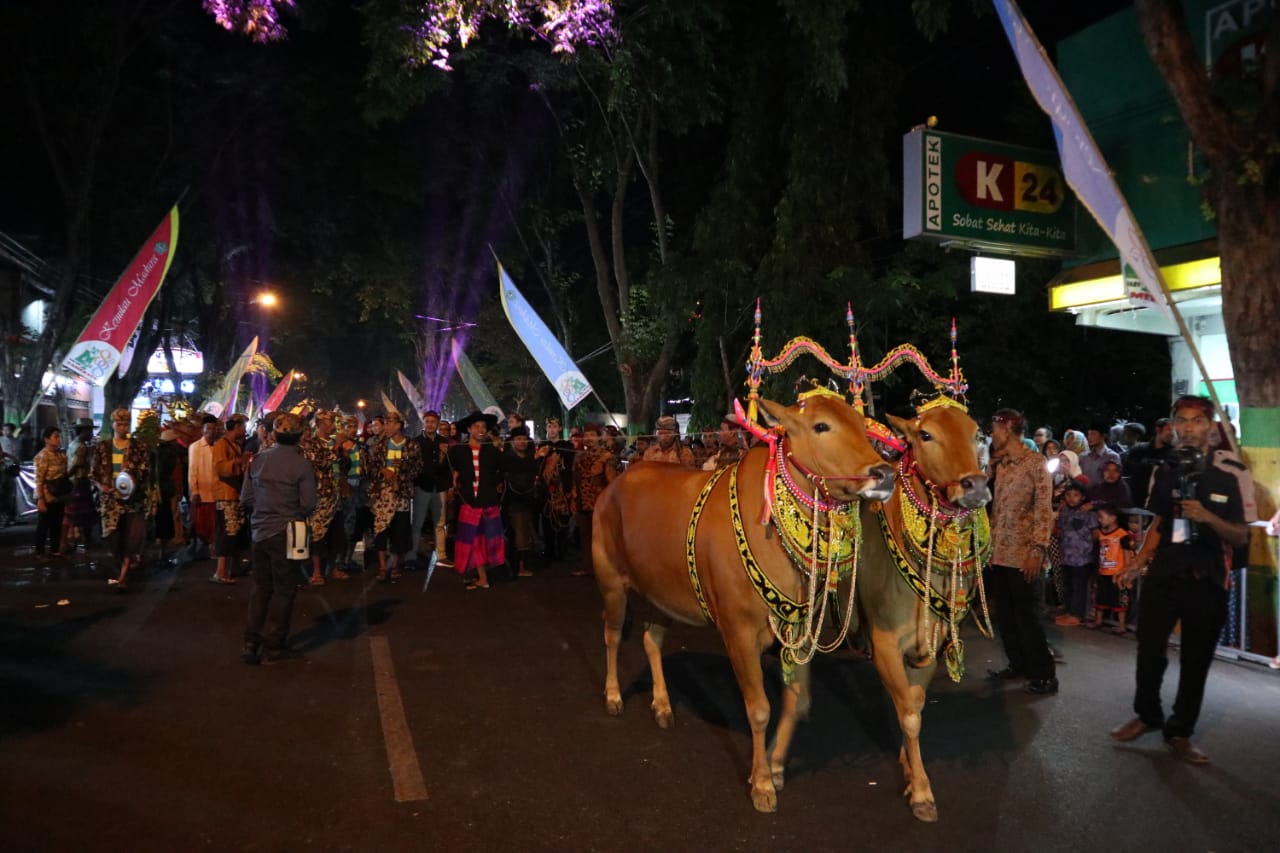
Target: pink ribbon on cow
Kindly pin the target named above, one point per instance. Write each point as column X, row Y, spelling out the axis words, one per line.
column 770, row 436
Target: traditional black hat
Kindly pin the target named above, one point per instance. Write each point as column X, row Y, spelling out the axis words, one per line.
column 518, row 431
column 491, row 421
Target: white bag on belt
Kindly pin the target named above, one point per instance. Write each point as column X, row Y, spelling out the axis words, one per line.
column 297, row 541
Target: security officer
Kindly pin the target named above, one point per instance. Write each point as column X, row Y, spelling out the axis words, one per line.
column 1198, row 509
column 280, row 488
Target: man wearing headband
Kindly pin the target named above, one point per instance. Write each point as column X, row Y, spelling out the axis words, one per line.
column 1021, row 522
column 394, row 462
column 1199, row 516
column 728, row 445
column 124, row 514
column 668, row 448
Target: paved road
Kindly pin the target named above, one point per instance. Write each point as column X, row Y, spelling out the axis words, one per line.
column 127, row 722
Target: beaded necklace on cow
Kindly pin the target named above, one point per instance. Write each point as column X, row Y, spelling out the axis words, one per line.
column 958, row 540
column 785, row 508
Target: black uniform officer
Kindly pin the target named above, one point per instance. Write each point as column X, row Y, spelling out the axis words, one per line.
column 1199, row 517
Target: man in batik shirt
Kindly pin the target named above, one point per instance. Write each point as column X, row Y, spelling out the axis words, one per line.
column 394, row 462
column 593, row 469
column 668, row 447
column 318, row 449
column 124, row 513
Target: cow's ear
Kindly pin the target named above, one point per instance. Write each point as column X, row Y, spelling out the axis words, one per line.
column 775, row 414
column 903, row 427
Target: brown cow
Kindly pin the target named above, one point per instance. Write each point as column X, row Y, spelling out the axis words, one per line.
column 639, row 542
column 940, row 464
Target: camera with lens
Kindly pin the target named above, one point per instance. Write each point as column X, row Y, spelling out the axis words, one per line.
column 1188, row 464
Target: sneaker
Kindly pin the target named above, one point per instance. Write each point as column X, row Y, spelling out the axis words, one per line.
column 280, row 656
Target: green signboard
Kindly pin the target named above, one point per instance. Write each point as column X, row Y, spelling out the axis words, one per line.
column 1235, row 36
column 985, row 195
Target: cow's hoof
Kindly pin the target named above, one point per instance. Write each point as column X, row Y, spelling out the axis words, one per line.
column 664, row 718
column 613, row 706
column 926, row 811
column 764, row 799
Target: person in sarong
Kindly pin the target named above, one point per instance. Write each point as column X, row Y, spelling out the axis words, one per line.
column 394, row 462
column 319, row 449
column 124, row 503
column 478, row 484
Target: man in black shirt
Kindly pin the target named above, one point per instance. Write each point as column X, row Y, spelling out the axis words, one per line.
column 1199, row 516
column 431, row 489
column 1143, row 459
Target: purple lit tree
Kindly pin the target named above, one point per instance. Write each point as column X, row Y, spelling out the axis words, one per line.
column 435, row 26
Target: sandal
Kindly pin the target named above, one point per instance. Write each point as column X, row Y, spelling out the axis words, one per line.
column 382, row 577
column 477, row 586
column 316, row 580
column 224, row 581
column 340, row 575
column 396, row 574
column 117, row 584
column 1118, row 631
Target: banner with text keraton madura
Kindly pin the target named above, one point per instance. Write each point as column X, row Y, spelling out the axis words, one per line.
column 97, row 351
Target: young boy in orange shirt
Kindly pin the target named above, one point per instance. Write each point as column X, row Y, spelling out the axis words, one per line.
column 1115, row 551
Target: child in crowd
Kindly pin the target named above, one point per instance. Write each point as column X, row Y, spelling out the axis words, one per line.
column 1115, row 550
column 1075, row 527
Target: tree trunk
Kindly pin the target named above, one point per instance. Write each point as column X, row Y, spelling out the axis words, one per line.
column 1245, row 174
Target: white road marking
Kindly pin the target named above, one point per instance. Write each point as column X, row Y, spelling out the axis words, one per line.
column 406, row 774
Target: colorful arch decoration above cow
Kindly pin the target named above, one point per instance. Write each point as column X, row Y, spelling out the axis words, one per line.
column 857, row 375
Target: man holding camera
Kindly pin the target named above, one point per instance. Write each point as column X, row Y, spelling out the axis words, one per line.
column 1199, row 518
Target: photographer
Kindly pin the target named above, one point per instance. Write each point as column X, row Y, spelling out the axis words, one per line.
column 1198, row 511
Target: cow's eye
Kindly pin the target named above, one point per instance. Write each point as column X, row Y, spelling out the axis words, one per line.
column 821, row 426
column 924, row 435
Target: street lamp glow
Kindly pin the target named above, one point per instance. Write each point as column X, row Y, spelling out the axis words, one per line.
column 359, row 404
column 267, row 299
